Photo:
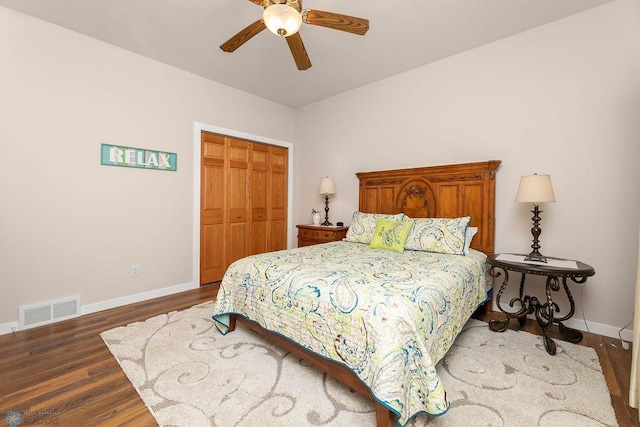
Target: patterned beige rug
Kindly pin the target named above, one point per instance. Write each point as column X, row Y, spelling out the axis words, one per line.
column 188, row 374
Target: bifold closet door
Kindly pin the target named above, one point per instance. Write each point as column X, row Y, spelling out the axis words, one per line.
column 237, row 192
column 259, row 189
column 278, row 198
column 212, row 207
column 224, row 204
column 268, row 187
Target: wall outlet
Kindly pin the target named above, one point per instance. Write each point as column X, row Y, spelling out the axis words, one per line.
column 135, row 270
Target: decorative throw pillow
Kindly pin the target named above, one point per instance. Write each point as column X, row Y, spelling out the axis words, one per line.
column 441, row 235
column 390, row 235
column 364, row 224
column 471, row 231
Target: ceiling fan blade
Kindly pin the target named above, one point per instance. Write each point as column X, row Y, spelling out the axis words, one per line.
column 258, row 2
column 336, row 21
column 243, row 36
column 298, row 51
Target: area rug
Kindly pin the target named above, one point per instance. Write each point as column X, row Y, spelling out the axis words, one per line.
column 188, row 374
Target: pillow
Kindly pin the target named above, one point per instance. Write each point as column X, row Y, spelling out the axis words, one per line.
column 390, row 235
column 440, row 235
column 364, row 224
column 468, row 236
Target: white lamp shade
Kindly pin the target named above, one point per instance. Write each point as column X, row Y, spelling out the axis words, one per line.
column 535, row 189
column 282, row 19
column 327, row 186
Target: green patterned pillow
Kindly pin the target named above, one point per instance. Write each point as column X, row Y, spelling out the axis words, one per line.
column 390, row 235
column 441, row 235
column 364, row 224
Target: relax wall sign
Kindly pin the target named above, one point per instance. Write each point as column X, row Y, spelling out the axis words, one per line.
column 116, row 155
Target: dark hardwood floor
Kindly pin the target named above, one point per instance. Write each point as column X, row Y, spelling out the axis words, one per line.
column 64, row 374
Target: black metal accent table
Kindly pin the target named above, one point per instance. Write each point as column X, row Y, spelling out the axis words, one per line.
column 544, row 310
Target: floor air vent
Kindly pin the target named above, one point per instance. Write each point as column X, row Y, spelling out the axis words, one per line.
column 48, row 312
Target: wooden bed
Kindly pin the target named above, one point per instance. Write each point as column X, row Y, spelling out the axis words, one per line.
column 438, row 191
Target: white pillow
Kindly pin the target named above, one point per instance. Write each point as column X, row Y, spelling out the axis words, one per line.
column 468, row 236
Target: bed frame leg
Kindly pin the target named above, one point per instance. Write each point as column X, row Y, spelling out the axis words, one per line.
column 384, row 417
column 232, row 324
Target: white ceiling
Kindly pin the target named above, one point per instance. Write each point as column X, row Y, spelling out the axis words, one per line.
column 403, row 35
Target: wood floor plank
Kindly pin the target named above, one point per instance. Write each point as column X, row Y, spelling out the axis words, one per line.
column 600, row 345
column 64, row 374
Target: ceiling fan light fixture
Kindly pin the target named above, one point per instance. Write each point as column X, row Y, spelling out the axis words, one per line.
column 282, row 19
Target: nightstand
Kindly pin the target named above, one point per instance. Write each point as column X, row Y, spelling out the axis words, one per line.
column 316, row 234
column 556, row 271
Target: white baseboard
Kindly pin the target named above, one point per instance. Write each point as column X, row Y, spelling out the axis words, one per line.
column 587, row 326
column 600, row 329
column 6, row 328
column 130, row 299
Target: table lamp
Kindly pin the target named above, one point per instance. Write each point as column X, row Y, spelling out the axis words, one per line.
column 535, row 189
column 327, row 187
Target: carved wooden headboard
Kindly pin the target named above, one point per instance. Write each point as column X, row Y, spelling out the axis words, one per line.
column 448, row 191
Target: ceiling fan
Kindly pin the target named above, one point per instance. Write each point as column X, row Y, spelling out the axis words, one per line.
column 284, row 18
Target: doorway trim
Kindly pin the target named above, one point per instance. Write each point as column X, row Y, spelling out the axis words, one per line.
column 198, row 128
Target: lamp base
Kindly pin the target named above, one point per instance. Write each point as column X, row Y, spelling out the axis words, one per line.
column 535, row 256
column 326, row 211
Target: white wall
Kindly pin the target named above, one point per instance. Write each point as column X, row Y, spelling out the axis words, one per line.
column 69, row 226
column 562, row 99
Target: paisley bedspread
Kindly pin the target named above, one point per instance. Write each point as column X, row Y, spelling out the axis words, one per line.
column 389, row 317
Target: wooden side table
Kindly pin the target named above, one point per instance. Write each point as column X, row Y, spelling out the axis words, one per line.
column 544, row 309
column 316, row 234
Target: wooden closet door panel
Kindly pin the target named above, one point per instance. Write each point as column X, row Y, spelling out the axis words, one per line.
column 258, row 241
column 212, row 208
column 259, row 190
column 237, row 233
column 278, row 235
column 237, row 244
column 212, row 265
column 278, row 198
